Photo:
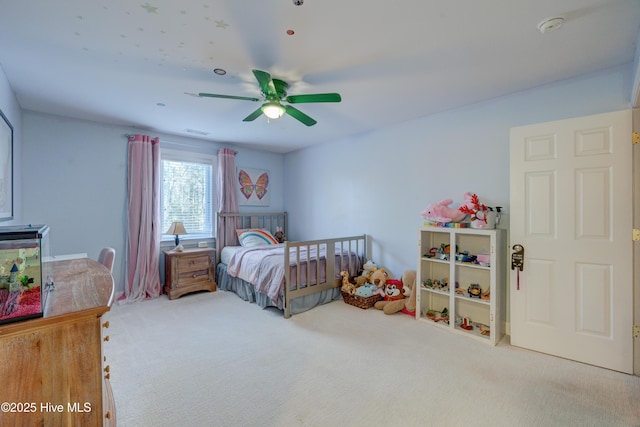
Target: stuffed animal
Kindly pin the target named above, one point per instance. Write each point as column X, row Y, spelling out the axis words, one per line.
column 361, row 281
column 366, row 291
column 368, row 268
column 347, row 286
column 280, row 237
column 441, row 212
column 379, row 278
column 405, row 304
column 392, row 292
column 409, row 281
column 365, row 277
column 468, row 201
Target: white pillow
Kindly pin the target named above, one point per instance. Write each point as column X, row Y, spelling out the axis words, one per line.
column 250, row 237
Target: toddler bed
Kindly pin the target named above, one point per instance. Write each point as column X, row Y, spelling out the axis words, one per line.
column 254, row 267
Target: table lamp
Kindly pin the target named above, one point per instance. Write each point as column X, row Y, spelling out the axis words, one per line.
column 176, row 228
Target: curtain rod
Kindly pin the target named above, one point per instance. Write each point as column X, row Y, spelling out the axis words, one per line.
column 126, row 135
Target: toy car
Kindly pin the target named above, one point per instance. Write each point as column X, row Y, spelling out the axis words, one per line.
column 474, row 291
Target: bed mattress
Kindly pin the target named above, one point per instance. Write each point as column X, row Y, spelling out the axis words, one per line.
column 228, row 252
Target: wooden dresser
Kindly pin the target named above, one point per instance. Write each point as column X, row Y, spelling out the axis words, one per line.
column 189, row 270
column 52, row 369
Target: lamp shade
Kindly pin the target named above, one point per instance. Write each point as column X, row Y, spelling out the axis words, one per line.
column 273, row 110
column 176, row 228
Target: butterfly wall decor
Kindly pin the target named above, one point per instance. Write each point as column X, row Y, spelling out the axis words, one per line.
column 253, row 185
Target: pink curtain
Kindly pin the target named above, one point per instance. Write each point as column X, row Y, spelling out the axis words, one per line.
column 227, row 197
column 143, row 237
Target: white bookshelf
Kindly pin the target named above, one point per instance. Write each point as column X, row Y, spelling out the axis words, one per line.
column 484, row 314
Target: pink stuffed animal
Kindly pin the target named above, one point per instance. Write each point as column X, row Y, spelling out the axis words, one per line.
column 441, row 212
column 468, row 200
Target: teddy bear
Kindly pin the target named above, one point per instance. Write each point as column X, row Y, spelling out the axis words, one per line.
column 379, row 279
column 280, row 237
column 367, row 269
column 441, row 212
column 406, row 303
column 361, row 281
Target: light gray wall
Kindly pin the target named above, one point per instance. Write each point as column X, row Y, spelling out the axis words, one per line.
column 76, row 176
column 11, row 109
column 379, row 183
column 73, row 173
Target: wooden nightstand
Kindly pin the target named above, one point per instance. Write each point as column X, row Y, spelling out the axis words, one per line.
column 188, row 271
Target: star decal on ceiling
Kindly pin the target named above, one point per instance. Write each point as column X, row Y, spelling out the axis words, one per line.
column 221, row 24
column 149, row 8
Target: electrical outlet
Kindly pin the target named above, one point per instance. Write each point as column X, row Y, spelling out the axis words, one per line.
column 202, row 244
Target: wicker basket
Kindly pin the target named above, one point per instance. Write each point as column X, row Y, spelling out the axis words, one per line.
column 361, row 302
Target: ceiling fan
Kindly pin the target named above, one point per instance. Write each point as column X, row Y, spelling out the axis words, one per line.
column 274, row 92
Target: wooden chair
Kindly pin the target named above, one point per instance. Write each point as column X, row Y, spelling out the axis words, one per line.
column 106, row 258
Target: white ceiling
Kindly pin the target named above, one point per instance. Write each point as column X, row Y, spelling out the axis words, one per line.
column 117, row 61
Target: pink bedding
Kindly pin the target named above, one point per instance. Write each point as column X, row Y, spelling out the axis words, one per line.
column 263, row 266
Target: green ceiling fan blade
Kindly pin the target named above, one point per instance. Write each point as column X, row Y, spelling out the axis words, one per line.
column 266, row 84
column 318, row 97
column 299, row 115
column 251, row 117
column 274, row 92
column 242, row 98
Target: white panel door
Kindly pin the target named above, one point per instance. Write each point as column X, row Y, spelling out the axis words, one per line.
column 571, row 210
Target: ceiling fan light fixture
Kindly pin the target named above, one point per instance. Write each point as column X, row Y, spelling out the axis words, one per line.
column 273, row 110
column 274, row 92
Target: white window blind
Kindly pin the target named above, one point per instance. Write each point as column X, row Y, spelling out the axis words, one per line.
column 187, row 191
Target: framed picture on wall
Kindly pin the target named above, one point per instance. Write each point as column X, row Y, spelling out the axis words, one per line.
column 253, row 187
column 6, row 169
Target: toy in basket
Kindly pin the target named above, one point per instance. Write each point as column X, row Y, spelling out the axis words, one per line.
column 360, row 294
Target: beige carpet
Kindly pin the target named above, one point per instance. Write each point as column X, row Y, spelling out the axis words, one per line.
column 211, row 359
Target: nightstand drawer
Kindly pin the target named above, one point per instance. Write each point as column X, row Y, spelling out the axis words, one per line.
column 186, row 278
column 193, row 263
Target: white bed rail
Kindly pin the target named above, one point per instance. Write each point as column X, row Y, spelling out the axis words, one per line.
column 309, row 257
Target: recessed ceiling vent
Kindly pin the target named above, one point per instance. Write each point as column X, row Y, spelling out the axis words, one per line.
column 197, row 132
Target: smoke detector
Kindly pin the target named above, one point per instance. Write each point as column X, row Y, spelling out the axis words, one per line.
column 549, row 24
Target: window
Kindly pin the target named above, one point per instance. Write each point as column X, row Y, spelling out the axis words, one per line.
column 187, row 191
